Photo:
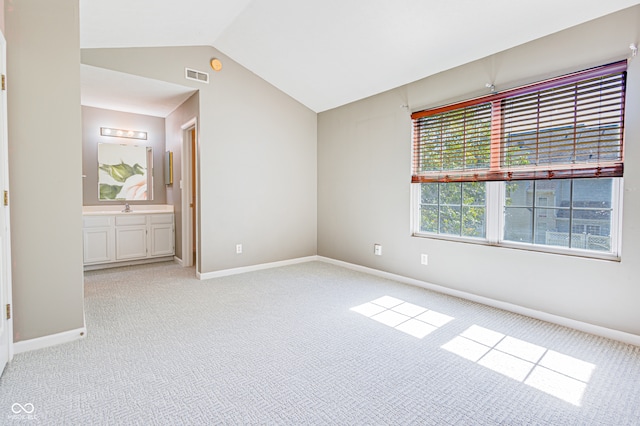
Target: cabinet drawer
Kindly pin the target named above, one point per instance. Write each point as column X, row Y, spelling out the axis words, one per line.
column 135, row 219
column 97, row 221
column 161, row 218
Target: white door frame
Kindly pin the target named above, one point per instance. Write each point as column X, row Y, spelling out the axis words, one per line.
column 6, row 325
column 185, row 179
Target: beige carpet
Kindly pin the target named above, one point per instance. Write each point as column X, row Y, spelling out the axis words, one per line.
column 313, row 344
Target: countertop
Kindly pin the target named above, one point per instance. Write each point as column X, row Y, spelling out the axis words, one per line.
column 117, row 209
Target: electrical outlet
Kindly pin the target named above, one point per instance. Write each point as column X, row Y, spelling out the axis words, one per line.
column 377, row 249
column 424, row 259
column 238, row 248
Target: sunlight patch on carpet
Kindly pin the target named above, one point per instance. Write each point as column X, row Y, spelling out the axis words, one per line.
column 556, row 374
column 411, row 319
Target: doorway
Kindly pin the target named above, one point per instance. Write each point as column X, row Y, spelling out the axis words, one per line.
column 190, row 207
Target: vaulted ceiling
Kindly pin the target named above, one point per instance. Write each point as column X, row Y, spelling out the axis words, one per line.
column 327, row 53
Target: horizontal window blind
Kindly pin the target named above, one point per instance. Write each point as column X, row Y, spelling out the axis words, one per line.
column 568, row 127
column 454, row 140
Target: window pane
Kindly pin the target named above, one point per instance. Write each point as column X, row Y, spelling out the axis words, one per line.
column 547, row 232
column 565, row 213
column 518, row 224
column 429, row 219
column 473, row 220
column 519, row 194
column 429, row 193
column 592, row 193
column 473, row 193
column 597, row 237
column 451, row 193
column 591, row 214
column 450, row 220
column 474, row 210
column 553, row 193
column 454, row 208
column 591, row 230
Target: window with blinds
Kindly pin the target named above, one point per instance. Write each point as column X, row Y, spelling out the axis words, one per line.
column 568, row 127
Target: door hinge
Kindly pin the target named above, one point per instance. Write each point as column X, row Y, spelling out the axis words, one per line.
column 4, row 82
column 8, row 311
column 6, row 198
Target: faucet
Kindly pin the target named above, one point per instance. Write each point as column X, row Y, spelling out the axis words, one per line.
column 127, row 208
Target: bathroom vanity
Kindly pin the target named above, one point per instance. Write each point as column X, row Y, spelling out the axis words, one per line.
column 113, row 237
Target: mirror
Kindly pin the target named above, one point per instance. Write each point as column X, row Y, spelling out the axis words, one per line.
column 123, row 172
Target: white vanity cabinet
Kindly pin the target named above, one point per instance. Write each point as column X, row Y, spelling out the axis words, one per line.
column 99, row 239
column 161, row 235
column 124, row 238
column 131, row 237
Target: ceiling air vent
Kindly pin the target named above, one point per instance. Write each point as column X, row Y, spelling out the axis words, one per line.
column 195, row 75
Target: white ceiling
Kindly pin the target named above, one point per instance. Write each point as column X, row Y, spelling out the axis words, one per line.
column 106, row 89
column 326, row 53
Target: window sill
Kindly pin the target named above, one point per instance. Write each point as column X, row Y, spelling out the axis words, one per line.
column 524, row 246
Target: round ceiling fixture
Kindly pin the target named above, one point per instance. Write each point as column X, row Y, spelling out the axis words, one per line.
column 216, row 64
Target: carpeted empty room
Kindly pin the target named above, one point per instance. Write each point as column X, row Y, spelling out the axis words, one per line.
column 315, row 343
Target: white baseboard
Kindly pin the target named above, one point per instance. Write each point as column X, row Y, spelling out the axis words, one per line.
column 50, row 340
column 243, row 269
column 177, row 260
column 543, row 316
column 127, row 263
column 621, row 336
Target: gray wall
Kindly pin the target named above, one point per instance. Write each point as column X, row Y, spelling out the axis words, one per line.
column 174, row 121
column 45, row 166
column 92, row 120
column 257, row 151
column 364, row 168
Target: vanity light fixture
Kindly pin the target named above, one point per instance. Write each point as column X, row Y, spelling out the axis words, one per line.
column 119, row 133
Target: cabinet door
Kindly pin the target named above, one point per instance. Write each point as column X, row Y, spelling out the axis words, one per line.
column 131, row 242
column 161, row 240
column 98, row 245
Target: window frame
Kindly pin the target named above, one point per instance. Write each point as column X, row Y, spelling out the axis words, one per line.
column 434, row 131
column 616, row 231
column 416, row 220
column 495, row 222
